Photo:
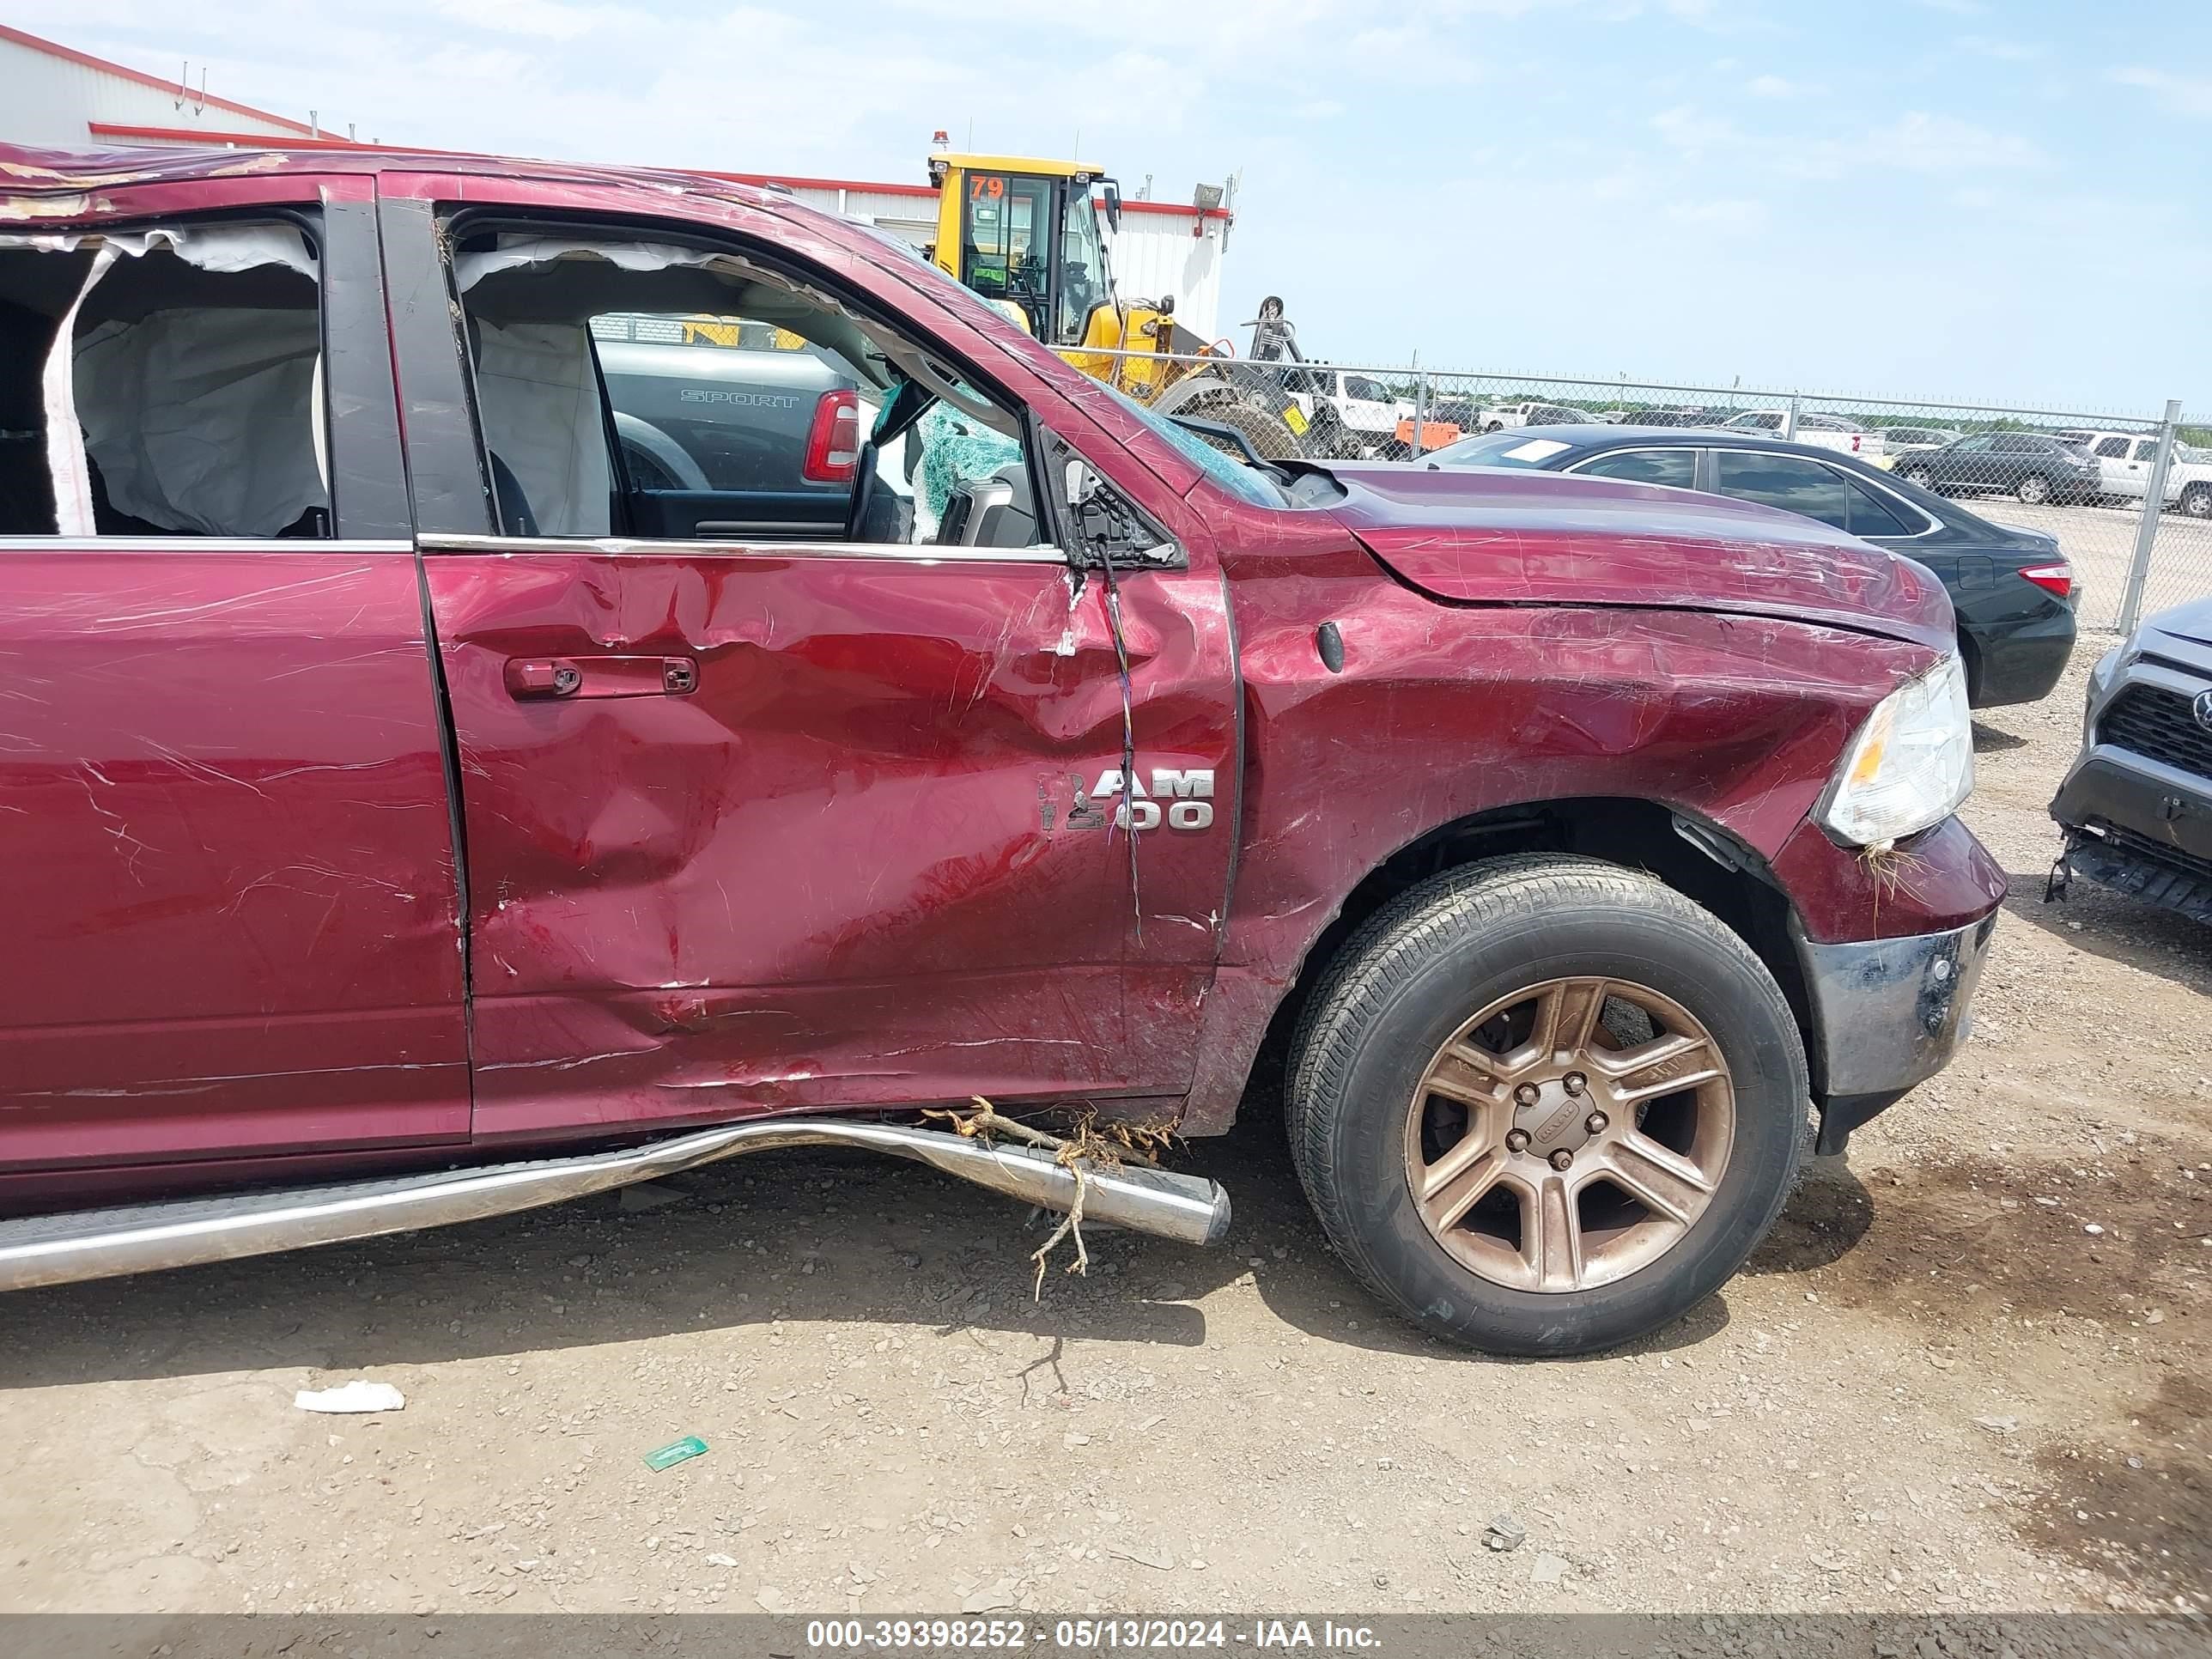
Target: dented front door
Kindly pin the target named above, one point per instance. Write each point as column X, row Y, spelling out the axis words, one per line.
column 751, row 830
column 755, row 827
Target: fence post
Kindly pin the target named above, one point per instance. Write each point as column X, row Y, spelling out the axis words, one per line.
column 1420, row 406
column 1789, row 421
column 2147, row 531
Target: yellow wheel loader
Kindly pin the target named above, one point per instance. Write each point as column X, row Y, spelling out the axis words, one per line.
column 1024, row 233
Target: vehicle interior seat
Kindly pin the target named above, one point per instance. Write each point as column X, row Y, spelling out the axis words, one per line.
column 511, row 506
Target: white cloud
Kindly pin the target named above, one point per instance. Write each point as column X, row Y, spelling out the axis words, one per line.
column 546, row 20
column 2181, row 94
column 1942, row 143
column 1730, row 213
column 2004, row 51
column 1915, row 143
column 1411, row 54
column 1769, row 86
column 1687, row 128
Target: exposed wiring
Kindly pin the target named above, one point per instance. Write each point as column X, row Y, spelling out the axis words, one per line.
column 1110, row 595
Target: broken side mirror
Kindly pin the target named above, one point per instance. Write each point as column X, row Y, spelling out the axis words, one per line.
column 1100, row 525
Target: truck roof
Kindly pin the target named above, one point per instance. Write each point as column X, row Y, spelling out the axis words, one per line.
column 42, row 174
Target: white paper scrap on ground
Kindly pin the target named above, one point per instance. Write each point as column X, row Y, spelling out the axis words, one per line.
column 355, row 1396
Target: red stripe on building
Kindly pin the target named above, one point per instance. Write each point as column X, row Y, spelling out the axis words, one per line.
column 54, row 49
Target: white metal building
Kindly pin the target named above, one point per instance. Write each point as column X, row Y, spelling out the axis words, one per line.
column 53, row 95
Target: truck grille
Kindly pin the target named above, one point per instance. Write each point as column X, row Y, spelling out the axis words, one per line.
column 2155, row 722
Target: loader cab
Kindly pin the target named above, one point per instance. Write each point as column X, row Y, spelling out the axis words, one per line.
column 1024, row 233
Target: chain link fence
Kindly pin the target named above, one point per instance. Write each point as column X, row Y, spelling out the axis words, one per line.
column 2127, row 495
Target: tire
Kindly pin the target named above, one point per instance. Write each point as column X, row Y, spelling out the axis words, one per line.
column 1920, row 478
column 2197, row 501
column 1495, row 426
column 1359, row 1105
column 2034, row 491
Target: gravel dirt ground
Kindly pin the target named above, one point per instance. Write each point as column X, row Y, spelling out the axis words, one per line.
column 1967, row 1372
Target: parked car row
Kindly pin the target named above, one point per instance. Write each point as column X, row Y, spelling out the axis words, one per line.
column 1501, row 416
column 2012, row 590
column 1903, row 440
column 1836, row 432
column 2070, row 465
column 2034, row 468
column 2126, row 460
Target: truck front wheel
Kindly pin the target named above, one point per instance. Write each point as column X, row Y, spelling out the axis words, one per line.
column 1546, row 1105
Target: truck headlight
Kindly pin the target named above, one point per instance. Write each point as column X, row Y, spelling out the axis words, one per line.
column 1910, row 765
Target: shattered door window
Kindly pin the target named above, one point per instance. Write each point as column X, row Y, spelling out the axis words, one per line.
column 162, row 382
column 744, row 406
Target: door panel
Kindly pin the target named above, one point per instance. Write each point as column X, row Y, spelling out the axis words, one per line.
column 228, row 860
column 693, row 514
column 848, row 866
column 226, row 842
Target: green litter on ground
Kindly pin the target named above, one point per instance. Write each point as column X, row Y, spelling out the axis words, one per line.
column 679, row 1451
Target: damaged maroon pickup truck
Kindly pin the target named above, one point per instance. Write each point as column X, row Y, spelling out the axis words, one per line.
column 435, row 789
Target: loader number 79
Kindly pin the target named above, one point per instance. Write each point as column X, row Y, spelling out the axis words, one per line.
column 985, row 186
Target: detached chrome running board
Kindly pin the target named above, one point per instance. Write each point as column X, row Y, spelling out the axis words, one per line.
column 59, row 1249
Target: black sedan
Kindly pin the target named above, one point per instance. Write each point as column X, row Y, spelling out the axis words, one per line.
column 2027, row 464
column 2012, row 589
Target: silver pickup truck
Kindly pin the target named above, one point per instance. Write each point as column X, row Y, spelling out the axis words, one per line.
column 673, row 385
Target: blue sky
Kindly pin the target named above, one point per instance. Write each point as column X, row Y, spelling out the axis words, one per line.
column 2002, row 200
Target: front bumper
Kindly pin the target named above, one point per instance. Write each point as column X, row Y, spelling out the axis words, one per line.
column 1886, row 1014
column 2139, row 827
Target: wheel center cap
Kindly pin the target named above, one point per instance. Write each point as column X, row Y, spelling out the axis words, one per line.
column 1555, row 1122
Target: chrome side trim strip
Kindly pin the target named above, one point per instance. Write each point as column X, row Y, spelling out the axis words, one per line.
column 61, row 1249
column 194, row 544
column 624, row 546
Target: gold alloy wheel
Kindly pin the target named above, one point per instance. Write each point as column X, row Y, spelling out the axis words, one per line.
column 1569, row 1133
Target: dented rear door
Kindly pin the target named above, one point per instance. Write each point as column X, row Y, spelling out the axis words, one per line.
column 226, row 860
column 753, row 827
